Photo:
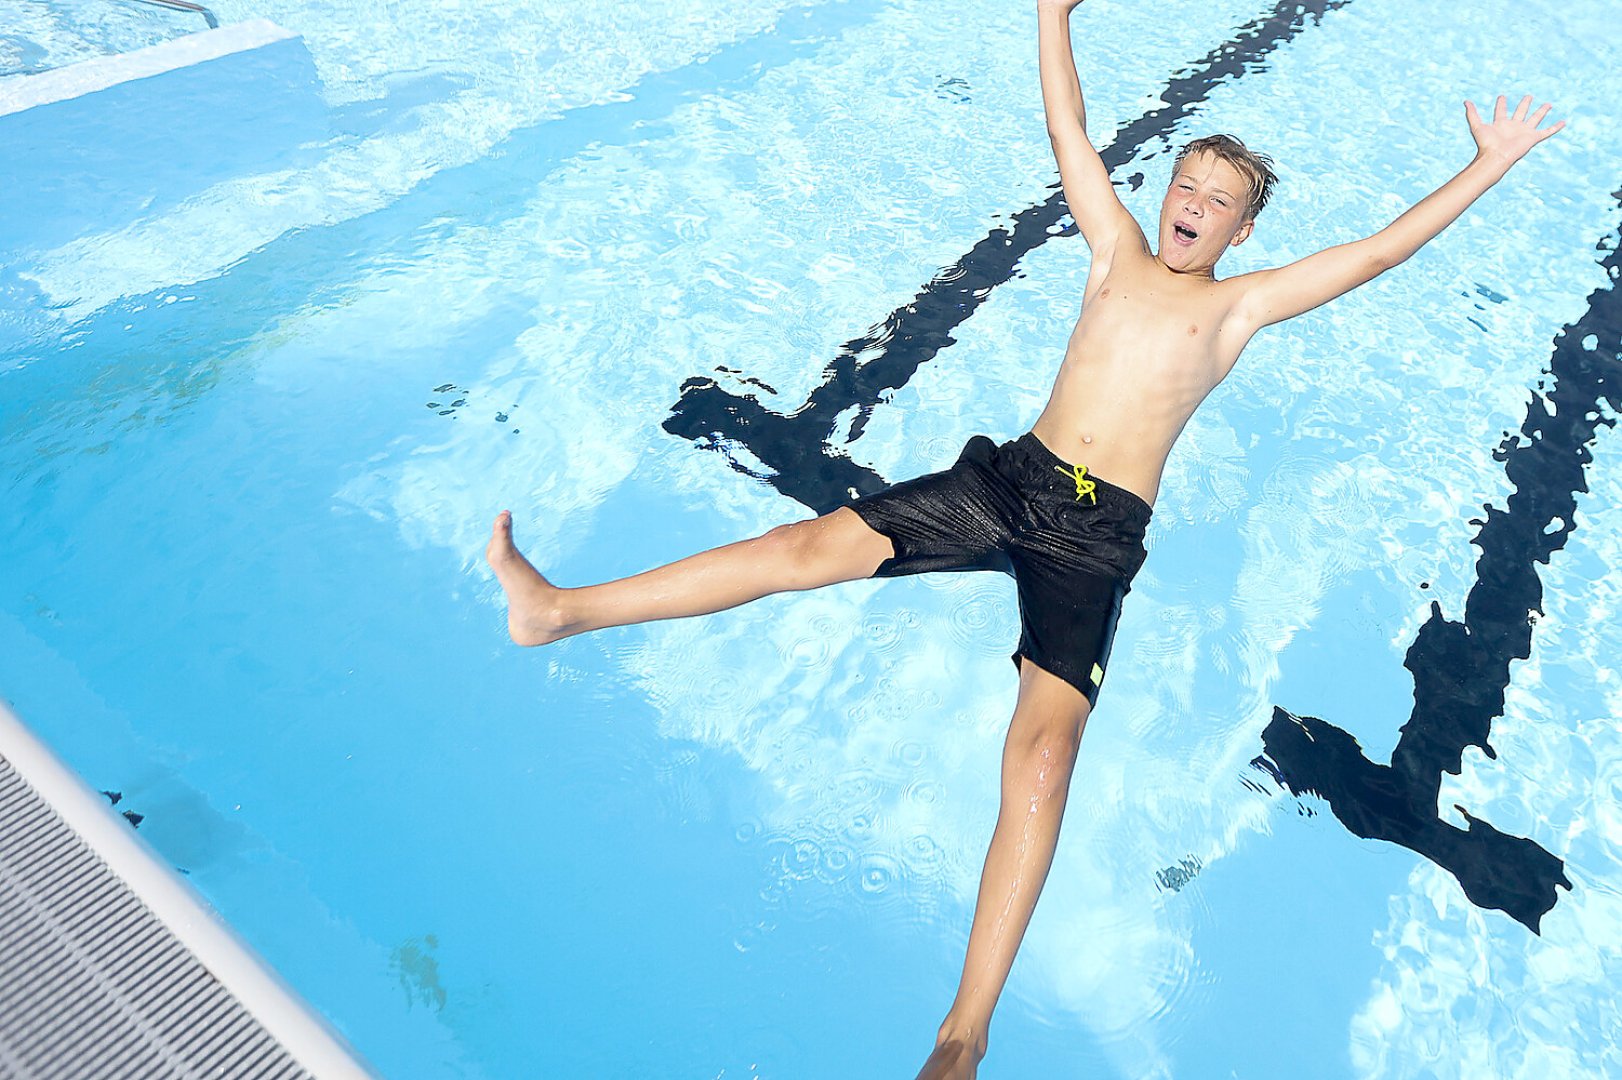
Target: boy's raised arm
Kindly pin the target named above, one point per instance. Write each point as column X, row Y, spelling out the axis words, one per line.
column 1271, row 296
column 1098, row 211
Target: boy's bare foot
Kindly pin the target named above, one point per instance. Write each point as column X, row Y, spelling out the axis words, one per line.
column 952, row 1060
column 535, row 614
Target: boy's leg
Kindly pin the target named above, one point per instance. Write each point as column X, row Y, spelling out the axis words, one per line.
column 838, row 546
column 1038, row 759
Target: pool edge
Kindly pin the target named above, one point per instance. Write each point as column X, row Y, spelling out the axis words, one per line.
column 301, row 1031
column 20, row 93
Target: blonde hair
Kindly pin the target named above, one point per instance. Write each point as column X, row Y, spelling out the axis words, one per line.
column 1255, row 168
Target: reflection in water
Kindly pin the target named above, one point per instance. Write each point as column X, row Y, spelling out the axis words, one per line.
column 1462, row 669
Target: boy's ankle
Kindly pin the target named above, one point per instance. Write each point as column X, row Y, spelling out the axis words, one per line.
column 970, row 1035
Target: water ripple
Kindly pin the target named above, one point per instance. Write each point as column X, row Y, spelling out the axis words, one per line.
column 879, row 872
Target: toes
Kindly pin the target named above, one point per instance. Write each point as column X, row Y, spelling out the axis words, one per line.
column 500, row 549
column 502, row 531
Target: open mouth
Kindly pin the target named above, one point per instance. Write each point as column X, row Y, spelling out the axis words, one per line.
column 1183, row 232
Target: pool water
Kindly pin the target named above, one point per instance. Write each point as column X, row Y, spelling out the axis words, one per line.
column 255, row 423
column 37, row 37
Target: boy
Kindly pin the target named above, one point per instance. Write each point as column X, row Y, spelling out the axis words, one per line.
column 1156, row 334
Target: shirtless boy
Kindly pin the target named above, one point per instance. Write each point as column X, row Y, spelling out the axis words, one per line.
column 1063, row 509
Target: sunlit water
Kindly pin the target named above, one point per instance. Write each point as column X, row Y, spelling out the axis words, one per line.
column 254, row 427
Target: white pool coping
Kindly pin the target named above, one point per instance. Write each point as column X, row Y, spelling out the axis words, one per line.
column 87, row 76
column 300, row 1030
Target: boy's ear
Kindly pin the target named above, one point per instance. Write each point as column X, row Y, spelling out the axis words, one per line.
column 1244, row 232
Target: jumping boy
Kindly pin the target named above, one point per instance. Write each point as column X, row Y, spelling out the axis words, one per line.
column 1063, row 509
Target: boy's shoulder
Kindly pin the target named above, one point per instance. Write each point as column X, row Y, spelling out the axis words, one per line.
column 1140, row 271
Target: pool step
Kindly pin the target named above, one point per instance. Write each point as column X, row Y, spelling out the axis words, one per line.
column 93, row 146
column 112, row 966
column 19, row 93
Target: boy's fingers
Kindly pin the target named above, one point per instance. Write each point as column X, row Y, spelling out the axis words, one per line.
column 1520, row 110
column 1499, row 109
column 1545, row 134
column 1537, row 117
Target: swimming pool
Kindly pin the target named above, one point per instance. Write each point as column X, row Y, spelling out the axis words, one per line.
column 254, row 428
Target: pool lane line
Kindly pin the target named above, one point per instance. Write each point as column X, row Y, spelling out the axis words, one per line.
column 1461, row 670
column 797, row 446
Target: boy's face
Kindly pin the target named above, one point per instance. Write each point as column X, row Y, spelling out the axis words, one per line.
column 1207, row 196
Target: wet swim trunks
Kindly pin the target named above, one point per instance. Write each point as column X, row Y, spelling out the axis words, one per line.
column 1072, row 542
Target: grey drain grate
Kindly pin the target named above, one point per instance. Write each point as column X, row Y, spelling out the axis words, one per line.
column 94, row 984
column 91, row 983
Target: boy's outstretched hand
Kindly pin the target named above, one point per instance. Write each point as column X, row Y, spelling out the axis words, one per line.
column 1509, row 137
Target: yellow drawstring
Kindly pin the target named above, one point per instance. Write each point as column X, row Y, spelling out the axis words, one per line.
column 1078, row 473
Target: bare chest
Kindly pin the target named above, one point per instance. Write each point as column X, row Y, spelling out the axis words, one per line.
column 1138, row 322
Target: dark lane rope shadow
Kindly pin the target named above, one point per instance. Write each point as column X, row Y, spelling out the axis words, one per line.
column 796, row 446
column 1461, row 670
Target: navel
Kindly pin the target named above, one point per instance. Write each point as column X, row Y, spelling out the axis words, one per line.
column 1086, row 438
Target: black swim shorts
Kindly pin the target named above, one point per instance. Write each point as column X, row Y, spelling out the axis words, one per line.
column 1071, row 541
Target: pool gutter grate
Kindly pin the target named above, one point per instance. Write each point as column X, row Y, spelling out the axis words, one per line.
column 110, row 965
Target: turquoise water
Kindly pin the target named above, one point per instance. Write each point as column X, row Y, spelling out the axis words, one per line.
column 256, row 417
column 38, row 37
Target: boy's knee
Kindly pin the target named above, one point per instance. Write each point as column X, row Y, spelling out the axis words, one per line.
column 825, row 549
column 1051, row 727
column 1040, row 760
column 1056, row 735
column 797, row 545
